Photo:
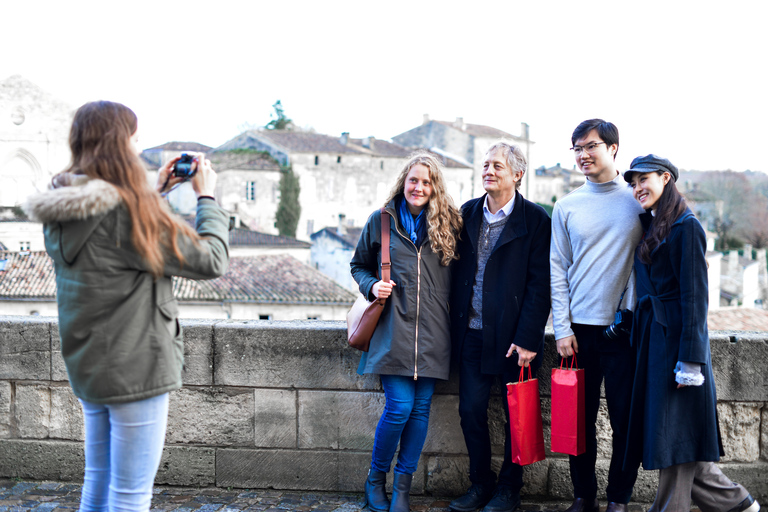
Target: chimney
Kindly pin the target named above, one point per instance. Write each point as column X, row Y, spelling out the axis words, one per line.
column 341, row 230
column 344, row 138
column 426, row 119
column 368, row 142
column 524, row 131
column 459, row 123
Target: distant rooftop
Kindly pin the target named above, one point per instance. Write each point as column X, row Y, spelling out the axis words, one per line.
column 350, row 237
column 239, row 237
column 181, row 146
column 243, row 160
column 478, row 130
column 738, row 319
column 265, row 279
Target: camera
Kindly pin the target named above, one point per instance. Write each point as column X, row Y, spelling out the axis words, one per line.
column 621, row 326
column 183, row 168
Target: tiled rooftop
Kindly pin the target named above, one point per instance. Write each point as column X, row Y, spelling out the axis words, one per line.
column 350, row 237
column 480, row 130
column 738, row 319
column 264, row 279
column 243, row 160
column 239, row 237
column 181, row 146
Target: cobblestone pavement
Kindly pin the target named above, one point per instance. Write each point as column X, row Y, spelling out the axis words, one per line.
column 16, row 496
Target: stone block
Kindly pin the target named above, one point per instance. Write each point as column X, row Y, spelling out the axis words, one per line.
column 275, row 418
column 42, row 460
column 66, row 420
column 32, row 410
column 645, row 486
column 338, row 419
column 277, row 469
column 445, row 435
column 58, row 368
column 753, row 476
column 740, row 430
column 497, row 425
column 213, row 416
column 560, row 486
column 292, row 354
column 738, row 375
column 198, row 352
column 5, row 409
column 187, row 466
column 25, row 348
column 447, row 475
column 764, row 435
column 604, row 432
column 535, row 479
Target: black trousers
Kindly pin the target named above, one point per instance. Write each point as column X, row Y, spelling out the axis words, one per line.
column 474, row 395
column 614, row 362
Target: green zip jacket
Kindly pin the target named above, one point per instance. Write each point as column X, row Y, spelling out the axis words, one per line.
column 120, row 336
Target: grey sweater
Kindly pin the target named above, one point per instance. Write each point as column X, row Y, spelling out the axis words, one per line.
column 595, row 230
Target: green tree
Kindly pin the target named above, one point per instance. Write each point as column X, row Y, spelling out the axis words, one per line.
column 279, row 120
column 289, row 209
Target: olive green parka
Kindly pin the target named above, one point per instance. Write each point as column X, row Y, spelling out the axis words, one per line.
column 120, row 336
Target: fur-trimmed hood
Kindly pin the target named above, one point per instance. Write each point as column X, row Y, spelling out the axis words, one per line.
column 72, row 197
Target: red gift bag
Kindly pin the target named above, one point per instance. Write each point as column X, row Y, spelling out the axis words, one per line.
column 525, row 420
column 568, row 427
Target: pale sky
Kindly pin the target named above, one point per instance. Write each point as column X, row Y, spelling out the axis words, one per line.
column 682, row 79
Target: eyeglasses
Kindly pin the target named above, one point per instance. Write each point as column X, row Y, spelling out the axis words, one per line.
column 589, row 148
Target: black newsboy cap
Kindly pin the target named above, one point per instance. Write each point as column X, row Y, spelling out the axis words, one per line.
column 650, row 163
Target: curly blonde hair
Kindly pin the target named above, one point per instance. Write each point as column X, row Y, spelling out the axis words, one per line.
column 443, row 217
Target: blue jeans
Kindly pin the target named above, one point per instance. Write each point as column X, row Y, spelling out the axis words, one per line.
column 123, row 445
column 405, row 420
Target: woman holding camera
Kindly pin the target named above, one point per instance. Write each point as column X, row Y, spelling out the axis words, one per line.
column 410, row 348
column 673, row 421
column 115, row 245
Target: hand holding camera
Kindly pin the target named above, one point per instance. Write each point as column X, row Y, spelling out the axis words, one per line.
column 192, row 167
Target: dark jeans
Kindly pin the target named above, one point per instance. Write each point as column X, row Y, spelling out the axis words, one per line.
column 474, row 395
column 613, row 361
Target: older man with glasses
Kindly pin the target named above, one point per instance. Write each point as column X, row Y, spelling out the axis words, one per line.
column 595, row 230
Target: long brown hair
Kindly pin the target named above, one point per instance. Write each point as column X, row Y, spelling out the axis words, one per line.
column 100, row 141
column 443, row 217
column 671, row 206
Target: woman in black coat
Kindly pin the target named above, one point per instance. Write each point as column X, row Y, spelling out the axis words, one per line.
column 410, row 348
column 673, row 419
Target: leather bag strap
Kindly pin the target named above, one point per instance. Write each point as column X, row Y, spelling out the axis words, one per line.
column 385, row 261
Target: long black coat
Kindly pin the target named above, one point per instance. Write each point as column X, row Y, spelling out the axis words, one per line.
column 516, row 299
column 670, row 426
column 412, row 337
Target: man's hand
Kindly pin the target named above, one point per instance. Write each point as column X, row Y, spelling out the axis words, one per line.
column 524, row 356
column 567, row 346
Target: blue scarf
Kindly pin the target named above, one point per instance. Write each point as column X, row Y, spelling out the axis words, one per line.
column 416, row 229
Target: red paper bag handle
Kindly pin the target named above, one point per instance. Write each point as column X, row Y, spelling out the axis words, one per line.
column 573, row 361
column 522, row 375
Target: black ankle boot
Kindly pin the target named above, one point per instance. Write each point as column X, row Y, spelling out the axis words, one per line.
column 401, row 489
column 375, row 494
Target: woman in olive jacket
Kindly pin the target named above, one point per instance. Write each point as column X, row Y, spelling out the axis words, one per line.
column 410, row 347
column 673, row 415
column 115, row 246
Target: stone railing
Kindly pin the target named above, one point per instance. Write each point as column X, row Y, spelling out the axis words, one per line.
column 280, row 405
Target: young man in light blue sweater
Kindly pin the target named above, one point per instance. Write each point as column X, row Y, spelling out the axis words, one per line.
column 595, row 230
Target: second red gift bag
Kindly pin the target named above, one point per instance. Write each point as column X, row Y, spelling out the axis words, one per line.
column 568, row 427
column 525, row 420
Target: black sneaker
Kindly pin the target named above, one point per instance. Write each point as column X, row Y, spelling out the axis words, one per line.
column 477, row 496
column 504, row 500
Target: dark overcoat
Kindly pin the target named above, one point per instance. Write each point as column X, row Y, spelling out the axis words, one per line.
column 412, row 337
column 516, row 299
column 670, row 426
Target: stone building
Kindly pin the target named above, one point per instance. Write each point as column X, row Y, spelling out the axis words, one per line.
column 553, row 183
column 468, row 143
column 332, row 250
column 740, row 278
column 340, row 175
column 34, row 132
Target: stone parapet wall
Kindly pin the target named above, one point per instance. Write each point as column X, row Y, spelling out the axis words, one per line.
column 280, row 405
